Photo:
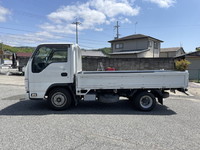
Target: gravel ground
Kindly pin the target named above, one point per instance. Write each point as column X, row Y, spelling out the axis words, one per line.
column 92, row 125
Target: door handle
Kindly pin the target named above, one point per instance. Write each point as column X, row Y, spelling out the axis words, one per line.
column 64, row 74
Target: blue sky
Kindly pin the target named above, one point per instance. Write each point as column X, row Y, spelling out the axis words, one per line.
column 30, row 22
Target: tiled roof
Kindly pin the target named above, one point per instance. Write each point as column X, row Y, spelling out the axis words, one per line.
column 132, row 37
column 92, row 53
column 129, row 52
column 23, row 54
column 192, row 54
column 171, row 49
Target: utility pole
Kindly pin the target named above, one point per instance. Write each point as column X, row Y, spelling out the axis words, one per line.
column 77, row 24
column 2, row 46
column 117, row 27
column 1, row 53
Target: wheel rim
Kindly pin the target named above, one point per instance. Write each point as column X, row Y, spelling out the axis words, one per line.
column 146, row 101
column 59, row 99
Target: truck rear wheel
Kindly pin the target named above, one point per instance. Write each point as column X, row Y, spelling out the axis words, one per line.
column 145, row 101
column 59, row 99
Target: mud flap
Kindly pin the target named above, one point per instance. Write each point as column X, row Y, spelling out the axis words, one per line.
column 183, row 91
column 160, row 100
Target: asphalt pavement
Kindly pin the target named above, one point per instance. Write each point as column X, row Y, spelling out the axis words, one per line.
column 28, row 124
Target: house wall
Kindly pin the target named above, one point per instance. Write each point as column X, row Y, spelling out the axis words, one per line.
column 194, row 68
column 172, row 54
column 167, row 54
column 91, row 64
column 147, row 54
column 163, row 54
column 131, row 45
column 180, row 52
column 137, row 44
column 152, row 53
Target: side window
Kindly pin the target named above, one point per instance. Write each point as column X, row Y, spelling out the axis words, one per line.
column 119, row 45
column 150, row 43
column 58, row 56
column 155, row 45
column 46, row 55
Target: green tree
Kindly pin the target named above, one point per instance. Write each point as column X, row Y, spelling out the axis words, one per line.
column 18, row 49
column 182, row 64
column 106, row 50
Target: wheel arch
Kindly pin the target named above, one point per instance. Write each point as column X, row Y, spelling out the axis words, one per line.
column 156, row 92
column 66, row 86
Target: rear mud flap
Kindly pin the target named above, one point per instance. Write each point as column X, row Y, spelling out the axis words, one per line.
column 160, row 100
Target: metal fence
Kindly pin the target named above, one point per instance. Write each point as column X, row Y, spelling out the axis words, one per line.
column 194, row 74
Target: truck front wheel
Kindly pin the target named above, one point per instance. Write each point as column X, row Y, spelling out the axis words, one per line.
column 145, row 101
column 59, row 99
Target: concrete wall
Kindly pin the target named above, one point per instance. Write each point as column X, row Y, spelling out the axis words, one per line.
column 91, row 64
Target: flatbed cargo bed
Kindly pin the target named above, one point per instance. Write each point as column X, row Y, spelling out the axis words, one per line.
column 150, row 79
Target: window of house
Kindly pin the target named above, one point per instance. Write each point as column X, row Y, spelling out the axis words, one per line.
column 150, row 43
column 119, row 45
column 155, row 45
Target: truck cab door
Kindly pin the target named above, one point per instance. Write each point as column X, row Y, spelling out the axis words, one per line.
column 50, row 65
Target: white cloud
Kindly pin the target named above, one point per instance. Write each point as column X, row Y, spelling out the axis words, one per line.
column 98, row 29
column 58, row 28
column 91, row 14
column 112, row 8
column 4, row 14
column 163, row 3
column 30, row 38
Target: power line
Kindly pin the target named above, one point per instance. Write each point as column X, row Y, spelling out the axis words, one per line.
column 61, row 35
column 17, row 37
column 29, row 14
column 15, row 29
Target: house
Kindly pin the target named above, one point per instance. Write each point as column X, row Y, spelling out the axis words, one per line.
column 5, row 56
column 194, row 67
column 135, row 46
column 171, row 52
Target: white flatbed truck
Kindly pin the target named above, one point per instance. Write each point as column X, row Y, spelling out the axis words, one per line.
column 54, row 73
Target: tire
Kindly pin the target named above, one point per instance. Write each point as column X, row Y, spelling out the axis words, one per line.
column 59, row 99
column 145, row 101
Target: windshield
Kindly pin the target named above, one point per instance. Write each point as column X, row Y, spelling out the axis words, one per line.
column 47, row 54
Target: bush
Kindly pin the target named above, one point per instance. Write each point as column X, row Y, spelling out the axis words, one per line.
column 182, row 64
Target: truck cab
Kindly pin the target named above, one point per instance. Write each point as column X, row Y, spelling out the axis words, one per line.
column 51, row 65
